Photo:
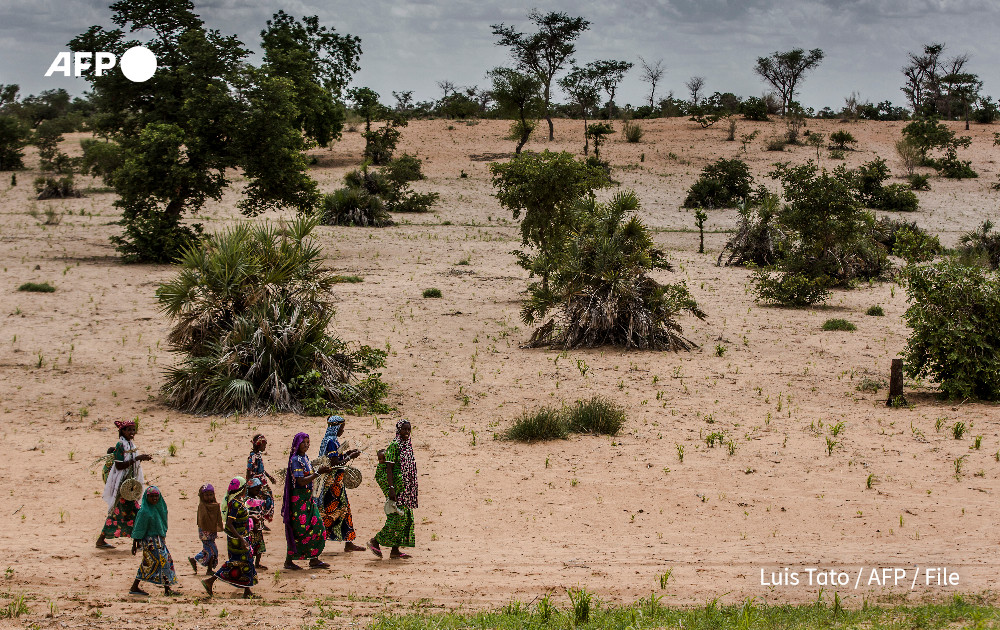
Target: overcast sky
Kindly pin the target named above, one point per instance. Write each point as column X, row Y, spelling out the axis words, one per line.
column 411, row 45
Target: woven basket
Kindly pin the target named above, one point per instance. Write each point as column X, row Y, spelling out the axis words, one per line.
column 352, row 477
column 130, row 490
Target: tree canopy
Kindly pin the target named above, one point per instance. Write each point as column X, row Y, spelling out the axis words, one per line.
column 784, row 70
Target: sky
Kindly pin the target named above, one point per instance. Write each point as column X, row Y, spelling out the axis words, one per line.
column 413, row 45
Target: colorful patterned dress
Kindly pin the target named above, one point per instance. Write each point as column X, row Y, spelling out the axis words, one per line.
column 157, row 565
column 255, row 470
column 399, row 530
column 239, row 569
column 307, row 531
column 121, row 517
column 336, row 510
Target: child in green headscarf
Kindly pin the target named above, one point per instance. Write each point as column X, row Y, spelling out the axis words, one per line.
column 149, row 532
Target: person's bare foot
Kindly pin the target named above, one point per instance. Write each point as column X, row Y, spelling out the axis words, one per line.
column 349, row 546
column 207, row 583
column 194, row 565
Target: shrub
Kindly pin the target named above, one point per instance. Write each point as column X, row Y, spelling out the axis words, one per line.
column 953, row 168
column 754, row 108
column 37, row 287
column 928, row 134
column 100, row 158
column 47, row 137
column 390, row 185
column 776, row 143
column 897, row 198
column 721, row 185
column 381, row 143
column 404, row 169
column 597, row 416
column 841, row 139
column 839, row 324
column 632, row 131
column 250, row 308
column 542, row 424
column 915, row 245
column 789, row 289
column 981, row 246
column 919, row 182
column 52, row 188
column 601, row 289
column 13, row 138
column 354, row 206
column 432, row 293
column 875, row 311
column 954, row 340
column 758, row 239
column 598, row 132
column 837, row 154
column 153, row 236
column 909, row 154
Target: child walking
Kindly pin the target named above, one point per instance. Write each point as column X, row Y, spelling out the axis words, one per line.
column 150, row 533
column 209, row 525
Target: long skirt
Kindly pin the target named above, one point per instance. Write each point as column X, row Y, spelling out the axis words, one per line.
column 399, row 530
column 238, row 570
column 337, row 511
column 209, row 555
column 121, row 519
column 157, row 565
column 304, row 532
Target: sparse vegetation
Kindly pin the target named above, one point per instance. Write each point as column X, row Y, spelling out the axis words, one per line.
column 596, row 416
column 839, row 324
column 36, row 287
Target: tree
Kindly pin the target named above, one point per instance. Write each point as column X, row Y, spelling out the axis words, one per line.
column 546, row 187
column 609, row 73
column 546, row 52
column 651, row 74
column 366, row 104
column 784, row 70
column 320, row 63
column 921, row 74
column 581, row 86
column 447, row 87
column 963, row 87
column 517, row 94
column 694, row 86
column 13, row 136
column 204, row 112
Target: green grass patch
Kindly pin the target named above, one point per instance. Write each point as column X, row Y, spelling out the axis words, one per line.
column 875, row 311
column 432, row 293
column 37, row 287
column 597, row 416
column 839, row 324
column 348, row 279
column 751, row 615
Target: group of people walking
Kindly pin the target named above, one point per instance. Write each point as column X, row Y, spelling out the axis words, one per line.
column 311, row 515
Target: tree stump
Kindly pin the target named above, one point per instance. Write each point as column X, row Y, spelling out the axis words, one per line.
column 896, row 398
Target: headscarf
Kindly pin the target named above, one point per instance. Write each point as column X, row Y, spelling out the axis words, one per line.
column 330, row 444
column 286, row 503
column 235, row 487
column 408, row 466
column 257, row 439
column 121, row 424
column 116, row 476
column 209, row 514
column 151, row 519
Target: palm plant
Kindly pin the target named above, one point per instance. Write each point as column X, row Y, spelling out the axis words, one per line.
column 250, row 309
column 601, row 289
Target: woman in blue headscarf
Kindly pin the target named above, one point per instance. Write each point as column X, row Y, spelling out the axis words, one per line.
column 150, row 533
column 334, row 507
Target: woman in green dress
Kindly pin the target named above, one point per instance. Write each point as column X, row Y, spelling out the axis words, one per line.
column 126, row 465
column 397, row 477
column 239, row 569
column 304, row 532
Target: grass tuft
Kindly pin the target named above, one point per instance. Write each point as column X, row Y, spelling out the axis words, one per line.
column 432, row 293
column 839, row 324
column 37, row 287
column 597, row 416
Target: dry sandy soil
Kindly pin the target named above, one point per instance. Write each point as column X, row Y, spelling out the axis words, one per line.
column 498, row 520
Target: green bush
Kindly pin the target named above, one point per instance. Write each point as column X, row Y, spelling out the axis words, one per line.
column 632, row 131
column 250, row 309
column 776, row 143
column 919, row 182
column 789, row 289
column 37, row 287
column 875, row 311
column 953, row 168
column 722, row 184
column 758, row 239
column 915, row 245
column 841, row 139
column 52, row 188
column 151, row 236
column 597, row 416
column 754, row 108
column 404, row 169
column 13, row 137
column 545, row 423
column 839, row 324
column 981, row 246
column 432, row 293
column 390, row 185
column 354, row 206
column 954, row 340
column 897, row 198
column 381, row 143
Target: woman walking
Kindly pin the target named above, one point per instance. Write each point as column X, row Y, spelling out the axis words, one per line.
column 255, row 470
column 397, row 477
column 304, row 533
column 334, row 507
column 239, row 569
column 150, row 533
column 127, row 465
column 210, row 523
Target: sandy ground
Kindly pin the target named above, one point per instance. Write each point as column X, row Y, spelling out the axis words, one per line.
column 500, row 521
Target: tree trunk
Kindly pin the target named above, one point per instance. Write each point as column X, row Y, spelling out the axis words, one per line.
column 586, row 136
column 552, row 136
column 896, row 384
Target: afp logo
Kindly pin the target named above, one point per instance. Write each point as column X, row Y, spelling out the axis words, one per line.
column 137, row 63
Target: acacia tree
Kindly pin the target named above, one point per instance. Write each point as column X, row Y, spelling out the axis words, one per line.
column 609, row 73
column 694, row 86
column 784, row 70
column 546, row 52
column 517, row 94
column 205, row 111
column 581, row 86
column 320, row 63
column 651, row 74
column 921, row 74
